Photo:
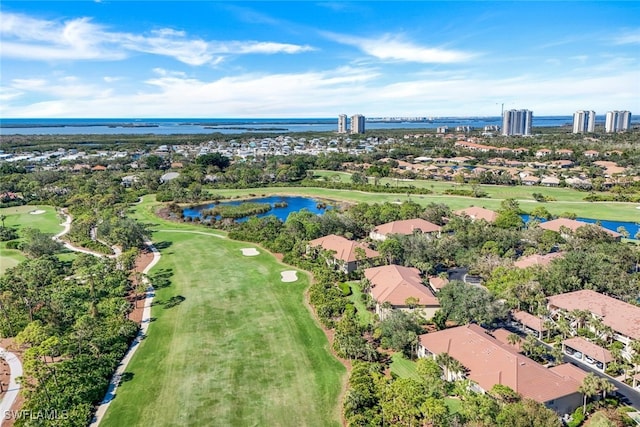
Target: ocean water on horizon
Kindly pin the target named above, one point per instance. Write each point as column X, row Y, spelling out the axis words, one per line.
column 168, row 126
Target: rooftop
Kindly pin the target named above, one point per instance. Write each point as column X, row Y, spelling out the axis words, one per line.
column 395, row 283
column 619, row 315
column 344, row 249
column 407, row 226
column 535, row 259
column 571, row 224
column 589, row 349
column 489, row 362
column 476, row 212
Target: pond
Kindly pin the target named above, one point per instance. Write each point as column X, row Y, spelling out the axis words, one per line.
column 632, row 227
column 293, row 204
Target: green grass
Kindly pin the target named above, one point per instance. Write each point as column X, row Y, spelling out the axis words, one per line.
column 453, row 404
column 19, row 217
column 365, row 316
column 402, row 367
column 615, row 211
column 241, row 349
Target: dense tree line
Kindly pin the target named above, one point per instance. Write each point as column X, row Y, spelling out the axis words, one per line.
column 72, row 322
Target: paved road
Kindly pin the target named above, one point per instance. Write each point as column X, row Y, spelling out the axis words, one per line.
column 629, row 393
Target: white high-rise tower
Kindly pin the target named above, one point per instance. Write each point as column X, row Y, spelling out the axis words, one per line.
column 517, row 122
column 617, row 121
column 342, row 123
column 357, row 123
column 584, row 121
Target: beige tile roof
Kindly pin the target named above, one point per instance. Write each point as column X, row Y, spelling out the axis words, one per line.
column 407, row 227
column 345, row 249
column 489, row 362
column 529, row 320
column 567, row 370
column 395, row 283
column 619, row 315
column 571, row 224
column 589, row 348
column 476, row 212
column 535, row 259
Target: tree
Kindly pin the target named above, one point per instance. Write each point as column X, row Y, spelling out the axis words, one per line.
column 213, row 159
column 513, row 339
column 155, row 162
column 399, row 331
column 2, row 218
column 435, row 412
column 402, row 401
column 391, row 250
column 37, row 244
column 359, row 178
column 589, row 388
column 527, row 413
column 504, row 393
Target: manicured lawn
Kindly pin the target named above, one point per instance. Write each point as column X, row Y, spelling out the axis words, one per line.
column 453, row 404
column 19, row 217
column 402, row 367
column 365, row 316
column 240, row 349
column 599, row 210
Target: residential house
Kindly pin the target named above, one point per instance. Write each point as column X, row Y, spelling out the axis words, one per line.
column 550, row 181
column 402, row 289
column 345, row 251
column 537, row 260
column 436, row 283
column 543, row 152
column 571, row 224
column 406, row 227
column 488, row 362
column 528, row 323
column 623, row 318
column 476, row 212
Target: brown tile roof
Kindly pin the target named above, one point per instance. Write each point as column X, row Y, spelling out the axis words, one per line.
column 535, row 259
column 589, row 349
column 345, row 249
column 502, row 335
column 490, row 362
column 529, row 320
column 407, row 227
column 571, row 224
column 619, row 315
column 567, row 370
column 437, row 282
column 395, row 283
column 476, row 212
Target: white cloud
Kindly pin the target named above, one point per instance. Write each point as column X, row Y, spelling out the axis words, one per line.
column 80, row 39
column 390, row 47
column 323, row 93
column 630, row 37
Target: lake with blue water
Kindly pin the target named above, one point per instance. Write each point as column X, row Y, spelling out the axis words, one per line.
column 294, row 204
column 632, row 227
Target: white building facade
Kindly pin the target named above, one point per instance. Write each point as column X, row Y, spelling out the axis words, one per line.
column 584, row 121
column 342, row 123
column 617, row 121
column 357, row 124
column 517, row 122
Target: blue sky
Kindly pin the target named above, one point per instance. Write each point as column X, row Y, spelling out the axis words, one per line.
column 316, row 59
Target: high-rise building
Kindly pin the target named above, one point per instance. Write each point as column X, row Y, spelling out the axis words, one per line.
column 357, row 123
column 617, row 121
column 516, row 122
column 584, row 121
column 342, row 123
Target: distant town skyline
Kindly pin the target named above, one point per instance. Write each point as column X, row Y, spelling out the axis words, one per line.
column 303, row 59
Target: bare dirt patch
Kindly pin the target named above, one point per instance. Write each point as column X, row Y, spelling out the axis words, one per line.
column 136, row 299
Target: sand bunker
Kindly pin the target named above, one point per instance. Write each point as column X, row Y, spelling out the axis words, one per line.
column 37, row 212
column 250, row 251
column 289, row 276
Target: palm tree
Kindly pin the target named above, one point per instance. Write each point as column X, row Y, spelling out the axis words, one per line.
column 513, row 339
column 588, row 388
column 456, row 368
column 563, row 326
column 2, row 218
column 580, row 317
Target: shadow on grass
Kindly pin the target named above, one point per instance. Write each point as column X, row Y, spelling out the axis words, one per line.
column 126, row 376
column 173, row 301
column 161, row 278
column 162, row 245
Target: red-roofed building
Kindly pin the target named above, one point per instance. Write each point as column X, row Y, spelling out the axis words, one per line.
column 395, row 284
column 571, row 224
column 488, row 362
column 476, row 212
column 587, row 352
column 529, row 323
column 345, row 251
column 537, row 260
column 408, row 226
column 620, row 316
